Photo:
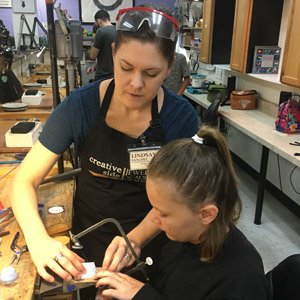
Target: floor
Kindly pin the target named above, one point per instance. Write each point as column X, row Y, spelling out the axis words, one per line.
column 279, row 234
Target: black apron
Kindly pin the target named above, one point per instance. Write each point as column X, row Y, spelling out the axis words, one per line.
column 122, row 196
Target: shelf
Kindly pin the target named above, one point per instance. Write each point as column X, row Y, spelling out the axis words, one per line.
column 191, row 28
column 269, row 78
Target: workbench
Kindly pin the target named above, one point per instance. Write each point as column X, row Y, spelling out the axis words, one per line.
column 49, row 194
column 261, row 128
column 39, row 112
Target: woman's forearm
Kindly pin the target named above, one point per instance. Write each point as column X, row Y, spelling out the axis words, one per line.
column 36, row 165
column 25, row 207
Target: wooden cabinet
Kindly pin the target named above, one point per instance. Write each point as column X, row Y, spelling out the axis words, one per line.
column 239, row 49
column 218, row 16
column 190, row 37
column 256, row 23
column 290, row 73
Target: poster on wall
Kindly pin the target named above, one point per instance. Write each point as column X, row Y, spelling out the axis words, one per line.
column 88, row 8
column 266, row 59
column 5, row 3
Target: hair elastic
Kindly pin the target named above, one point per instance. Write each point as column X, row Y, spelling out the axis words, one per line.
column 198, row 139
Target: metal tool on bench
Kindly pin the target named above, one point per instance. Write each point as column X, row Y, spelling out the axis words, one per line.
column 140, row 265
column 6, row 217
column 295, row 144
column 18, row 251
column 60, row 286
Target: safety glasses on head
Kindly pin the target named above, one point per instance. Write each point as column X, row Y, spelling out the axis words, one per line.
column 131, row 19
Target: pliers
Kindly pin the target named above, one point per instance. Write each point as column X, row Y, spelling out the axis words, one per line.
column 18, row 251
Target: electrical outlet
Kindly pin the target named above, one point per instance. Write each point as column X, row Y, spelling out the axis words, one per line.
column 219, row 74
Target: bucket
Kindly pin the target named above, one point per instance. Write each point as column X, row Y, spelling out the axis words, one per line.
column 197, row 80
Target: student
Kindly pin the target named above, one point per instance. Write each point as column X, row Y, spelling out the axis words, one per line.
column 179, row 77
column 101, row 49
column 192, row 187
column 104, row 119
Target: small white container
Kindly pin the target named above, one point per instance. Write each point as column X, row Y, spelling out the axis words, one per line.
column 8, row 275
column 197, row 80
column 24, row 139
column 32, row 99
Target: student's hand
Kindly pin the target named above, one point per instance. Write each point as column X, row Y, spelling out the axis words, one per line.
column 43, row 252
column 90, row 70
column 116, row 286
column 118, row 255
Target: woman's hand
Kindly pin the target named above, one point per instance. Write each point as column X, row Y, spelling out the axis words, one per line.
column 48, row 252
column 90, row 70
column 118, row 255
column 116, row 286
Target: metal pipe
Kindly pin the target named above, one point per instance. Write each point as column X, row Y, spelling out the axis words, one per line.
column 62, row 176
column 53, row 61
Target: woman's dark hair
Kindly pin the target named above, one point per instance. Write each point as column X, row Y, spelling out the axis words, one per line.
column 146, row 35
column 202, row 173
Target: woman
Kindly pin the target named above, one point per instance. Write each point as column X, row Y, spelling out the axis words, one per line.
column 192, row 187
column 105, row 120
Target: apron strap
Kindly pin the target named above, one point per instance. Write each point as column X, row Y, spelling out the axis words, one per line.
column 155, row 123
column 106, row 100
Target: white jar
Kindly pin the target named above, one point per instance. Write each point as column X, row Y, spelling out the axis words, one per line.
column 197, row 80
column 8, row 275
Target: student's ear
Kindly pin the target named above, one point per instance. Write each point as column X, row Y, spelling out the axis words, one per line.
column 169, row 71
column 208, row 213
column 113, row 45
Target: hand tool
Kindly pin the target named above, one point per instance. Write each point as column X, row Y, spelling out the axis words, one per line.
column 4, row 233
column 6, row 214
column 6, row 218
column 8, row 162
column 295, row 143
column 77, row 245
column 61, row 286
column 18, row 251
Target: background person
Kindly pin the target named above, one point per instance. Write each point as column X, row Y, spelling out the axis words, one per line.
column 102, row 119
column 179, row 78
column 101, row 49
column 191, row 185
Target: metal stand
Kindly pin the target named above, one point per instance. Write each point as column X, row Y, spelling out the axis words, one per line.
column 53, row 61
column 31, row 34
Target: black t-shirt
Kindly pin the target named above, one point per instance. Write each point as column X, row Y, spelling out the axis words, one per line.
column 105, row 36
column 237, row 274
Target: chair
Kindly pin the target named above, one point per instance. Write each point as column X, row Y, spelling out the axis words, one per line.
column 284, row 279
column 211, row 115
